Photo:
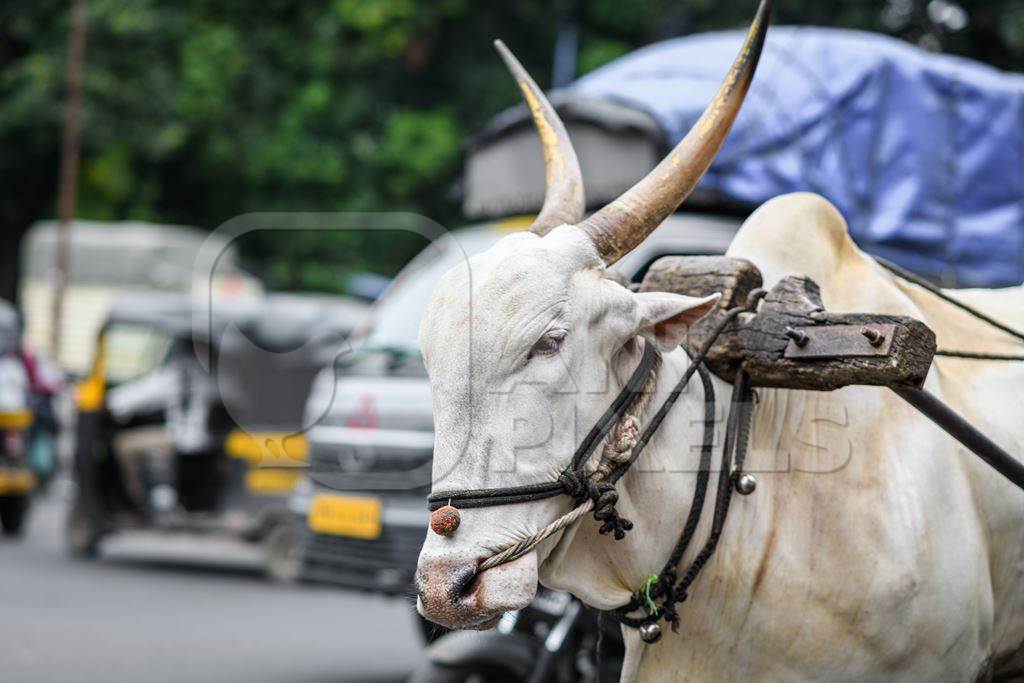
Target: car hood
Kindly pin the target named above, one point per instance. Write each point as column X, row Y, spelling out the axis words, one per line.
column 370, row 432
column 371, row 403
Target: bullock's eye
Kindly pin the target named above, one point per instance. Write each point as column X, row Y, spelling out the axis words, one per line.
column 548, row 344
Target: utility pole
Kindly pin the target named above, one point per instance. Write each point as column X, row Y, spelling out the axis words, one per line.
column 67, row 188
column 567, row 44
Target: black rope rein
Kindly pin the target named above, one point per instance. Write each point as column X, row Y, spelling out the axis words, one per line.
column 967, row 308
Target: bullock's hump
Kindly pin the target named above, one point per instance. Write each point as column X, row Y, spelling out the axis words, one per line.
column 796, row 233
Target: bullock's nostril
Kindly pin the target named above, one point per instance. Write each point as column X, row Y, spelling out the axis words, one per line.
column 446, row 579
column 460, row 582
column 453, row 593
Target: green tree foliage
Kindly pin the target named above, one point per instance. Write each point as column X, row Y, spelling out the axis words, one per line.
column 197, row 111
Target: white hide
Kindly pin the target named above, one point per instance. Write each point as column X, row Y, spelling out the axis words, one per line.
column 875, row 548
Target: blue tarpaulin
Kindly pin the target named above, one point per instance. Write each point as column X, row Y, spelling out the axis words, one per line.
column 923, row 153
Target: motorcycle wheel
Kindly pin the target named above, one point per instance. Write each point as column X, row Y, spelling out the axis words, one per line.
column 429, row 672
column 12, row 514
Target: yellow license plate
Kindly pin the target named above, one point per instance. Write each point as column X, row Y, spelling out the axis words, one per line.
column 271, row 482
column 339, row 515
column 16, row 482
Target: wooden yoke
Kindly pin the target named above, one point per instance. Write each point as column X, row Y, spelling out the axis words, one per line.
column 792, row 342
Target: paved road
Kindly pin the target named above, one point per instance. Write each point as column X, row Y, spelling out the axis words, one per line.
column 184, row 611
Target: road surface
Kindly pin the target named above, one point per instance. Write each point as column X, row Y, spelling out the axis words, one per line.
column 184, row 610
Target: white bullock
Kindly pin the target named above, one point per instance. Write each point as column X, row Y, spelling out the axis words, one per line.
column 875, row 547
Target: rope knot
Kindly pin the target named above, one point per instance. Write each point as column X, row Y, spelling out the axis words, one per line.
column 626, row 434
column 604, row 496
column 676, row 598
column 573, row 483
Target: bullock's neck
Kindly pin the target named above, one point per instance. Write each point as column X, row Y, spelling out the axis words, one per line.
column 655, row 494
column 657, row 497
column 742, row 578
column 658, row 491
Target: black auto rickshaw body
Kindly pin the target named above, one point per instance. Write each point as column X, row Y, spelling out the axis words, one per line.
column 17, row 481
column 191, row 417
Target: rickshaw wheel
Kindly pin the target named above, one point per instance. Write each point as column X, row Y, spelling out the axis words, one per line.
column 80, row 534
column 281, row 554
column 12, row 514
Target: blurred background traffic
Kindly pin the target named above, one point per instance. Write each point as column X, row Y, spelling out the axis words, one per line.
column 187, row 408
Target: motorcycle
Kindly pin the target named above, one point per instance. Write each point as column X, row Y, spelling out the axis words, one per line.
column 553, row 640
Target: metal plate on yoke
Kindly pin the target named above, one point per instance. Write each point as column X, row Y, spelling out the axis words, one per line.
column 841, row 341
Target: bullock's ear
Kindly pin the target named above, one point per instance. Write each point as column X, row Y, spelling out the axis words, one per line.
column 665, row 317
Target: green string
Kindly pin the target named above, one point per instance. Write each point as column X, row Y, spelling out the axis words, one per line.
column 649, row 583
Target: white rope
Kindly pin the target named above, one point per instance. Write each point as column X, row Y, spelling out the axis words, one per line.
column 618, row 448
column 520, row 548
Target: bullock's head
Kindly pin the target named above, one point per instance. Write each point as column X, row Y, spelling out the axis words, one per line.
column 527, row 343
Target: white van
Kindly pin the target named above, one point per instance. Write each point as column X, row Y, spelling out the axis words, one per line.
column 107, row 260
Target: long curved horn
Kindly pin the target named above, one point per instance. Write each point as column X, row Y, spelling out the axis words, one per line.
column 564, row 199
column 620, row 226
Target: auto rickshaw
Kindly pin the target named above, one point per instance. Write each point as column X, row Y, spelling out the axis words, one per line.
column 191, row 418
column 16, row 477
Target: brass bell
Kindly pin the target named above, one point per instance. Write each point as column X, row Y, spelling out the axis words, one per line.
column 745, row 484
column 650, row 633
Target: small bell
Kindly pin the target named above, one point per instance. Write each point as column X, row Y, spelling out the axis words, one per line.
column 650, row 633
column 745, row 483
column 445, row 520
